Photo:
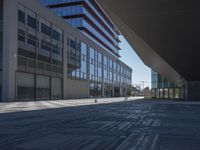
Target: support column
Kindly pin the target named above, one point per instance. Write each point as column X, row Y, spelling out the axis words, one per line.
column 9, row 50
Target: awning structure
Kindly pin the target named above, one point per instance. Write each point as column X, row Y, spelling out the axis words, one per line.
column 164, row 33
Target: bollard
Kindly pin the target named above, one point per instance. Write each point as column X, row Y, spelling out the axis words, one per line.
column 95, row 100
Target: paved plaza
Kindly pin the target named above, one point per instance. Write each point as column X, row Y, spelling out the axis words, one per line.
column 134, row 124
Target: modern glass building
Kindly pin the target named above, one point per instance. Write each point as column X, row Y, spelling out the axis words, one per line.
column 43, row 57
column 90, row 19
column 162, row 88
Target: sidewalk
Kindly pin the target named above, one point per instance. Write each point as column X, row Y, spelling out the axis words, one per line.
column 48, row 104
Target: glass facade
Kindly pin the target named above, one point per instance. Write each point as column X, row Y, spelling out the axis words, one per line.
column 83, row 73
column 105, row 76
column 43, row 87
column 162, row 88
column 87, row 64
column 99, row 80
column 40, row 57
column 92, row 73
column 40, row 62
column 56, row 88
column 94, row 22
column 74, row 58
column 26, row 86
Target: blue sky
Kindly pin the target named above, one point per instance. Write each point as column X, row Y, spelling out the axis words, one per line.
column 140, row 71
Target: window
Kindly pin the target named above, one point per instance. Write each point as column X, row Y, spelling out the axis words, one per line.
column 56, row 88
column 56, row 49
column 105, row 69
column 74, row 60
column 45, row 29
column 99, row 75
column 21, row 16
column 92, row 67
column 25, row 86
column 45, row 45
column 93, row 71
column 43, row 87
column 31, row 22
column 72, row 44
column 83, row 61
column 55, row 35
column 21, row 35
column 31, row 39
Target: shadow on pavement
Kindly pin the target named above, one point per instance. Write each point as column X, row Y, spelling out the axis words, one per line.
column 145, row 124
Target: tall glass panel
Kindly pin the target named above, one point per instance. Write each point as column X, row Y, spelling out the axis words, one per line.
column 99, row 75
column 92, row 73
column 116, row 80
column 110, row 77
column 25, row 86
column 74, row 59
column 78, row 61
column 119, row 73
column 83, row 61
column 56, row 88
column 43, row 87
column 115, row 72
column 106, row 91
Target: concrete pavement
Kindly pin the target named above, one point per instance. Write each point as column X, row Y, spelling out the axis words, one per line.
column 117, row 124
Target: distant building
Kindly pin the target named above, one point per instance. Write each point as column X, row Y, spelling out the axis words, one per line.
column 44, row 57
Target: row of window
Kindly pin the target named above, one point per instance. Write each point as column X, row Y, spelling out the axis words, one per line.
column 31, row 86
column 69, row 10
column 27, row 64
column 51, row 2
column 77, row 54
column 101, row 68
column 166, row 93
column 112, row 43
column 78, row 22
column 34, row 23
column 84, row 62
column 47, row 43
column 44, row 43
column 158, row 81
column 102, row 18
